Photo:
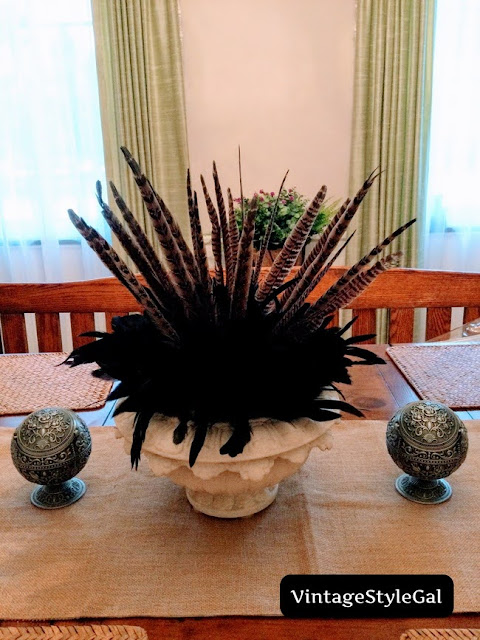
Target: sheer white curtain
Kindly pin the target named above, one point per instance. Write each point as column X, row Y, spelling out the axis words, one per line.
column 51, row 150
column 452, row 233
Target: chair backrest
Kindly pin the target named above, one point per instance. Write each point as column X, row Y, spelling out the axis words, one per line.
column 400, row 291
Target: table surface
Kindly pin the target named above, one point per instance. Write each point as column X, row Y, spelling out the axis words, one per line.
column 378, row 391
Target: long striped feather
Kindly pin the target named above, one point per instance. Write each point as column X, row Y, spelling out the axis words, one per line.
column 222, row 214
column 327, row 243
column 216, row 233
column 321, row 242
column 232, row 227
column 186, row 252
column 358, row 267
column 120, row 270
column 292, row 247
column 268, row 233
column 361, row 281
column 346, row 295
column 306, row 285
column 133, row 250
column 142, row 241
column 244, row 266
column 180, row 274
column 317, row 251
column 197, row 236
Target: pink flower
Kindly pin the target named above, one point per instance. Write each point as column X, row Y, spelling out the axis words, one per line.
column 290, row 190
column 237, row 200
column 284, row 202
column 291, row 198
column 261, row 199
column 272, row 193
column 262, row 191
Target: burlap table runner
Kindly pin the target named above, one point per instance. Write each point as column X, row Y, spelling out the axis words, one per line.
column 133, row 546
column 48, row 384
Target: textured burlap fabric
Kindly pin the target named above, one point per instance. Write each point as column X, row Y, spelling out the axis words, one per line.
column 133, row 546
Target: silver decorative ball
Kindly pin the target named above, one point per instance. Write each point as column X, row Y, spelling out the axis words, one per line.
column 49, row 448
column 429, row 442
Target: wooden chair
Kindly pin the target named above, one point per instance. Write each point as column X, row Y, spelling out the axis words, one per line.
column 400, row 291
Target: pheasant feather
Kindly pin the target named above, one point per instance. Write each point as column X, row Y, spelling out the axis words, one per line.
column 353, row 271
column 268, row 233
column 244, row 266
column 182, row 280
column 216, row 234
column 117, row 266
column 232, row 227
column 131, row 248
column 222, row 214
column 292, row 247
column 142, row 241
column 197, row 236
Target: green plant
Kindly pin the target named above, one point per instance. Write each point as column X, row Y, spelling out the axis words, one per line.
column 291, row 206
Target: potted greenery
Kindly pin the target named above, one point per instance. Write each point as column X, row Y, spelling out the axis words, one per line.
column 290, row 207
column 189, row 397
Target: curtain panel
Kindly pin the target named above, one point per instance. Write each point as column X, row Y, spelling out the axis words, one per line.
column 391, row 118
column 139, row 62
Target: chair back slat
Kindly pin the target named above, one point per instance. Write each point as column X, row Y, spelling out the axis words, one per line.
column 81, row 323
column 438, row 322
column 470, row 314
column 366, row 322
column 401, row 325
column 48, row 332
column 14, row 333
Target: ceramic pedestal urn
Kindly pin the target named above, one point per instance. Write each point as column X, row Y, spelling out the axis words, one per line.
column 225, row 487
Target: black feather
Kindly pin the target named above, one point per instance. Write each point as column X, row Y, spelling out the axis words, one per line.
column 140, row 426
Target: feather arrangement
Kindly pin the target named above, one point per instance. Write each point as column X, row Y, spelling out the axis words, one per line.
column 233, row 346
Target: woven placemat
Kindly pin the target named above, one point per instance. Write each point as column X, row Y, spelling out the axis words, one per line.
column 441, row 634
column 33, row 381
column 86, row 632
column 447, row 373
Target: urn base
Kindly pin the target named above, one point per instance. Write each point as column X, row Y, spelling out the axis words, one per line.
column 56, row 496
column 423, row 491
column 232, row 506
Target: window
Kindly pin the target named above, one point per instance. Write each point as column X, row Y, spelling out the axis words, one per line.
column 51, row 149
column 454, row 160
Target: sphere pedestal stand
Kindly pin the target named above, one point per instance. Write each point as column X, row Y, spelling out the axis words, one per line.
column 232, row 506
column 423, row 491
column 55, row 496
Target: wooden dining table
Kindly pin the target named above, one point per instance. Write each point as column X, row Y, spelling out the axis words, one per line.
column 378, row 391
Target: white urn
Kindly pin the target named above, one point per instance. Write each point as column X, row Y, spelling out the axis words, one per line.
column 226, row 487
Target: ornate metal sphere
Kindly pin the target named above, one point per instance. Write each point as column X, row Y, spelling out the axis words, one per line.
column 429, row 442
column 49, row 448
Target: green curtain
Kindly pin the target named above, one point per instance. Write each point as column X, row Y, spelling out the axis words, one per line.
column 139, row 63
column 391, row 116
column 391, row 123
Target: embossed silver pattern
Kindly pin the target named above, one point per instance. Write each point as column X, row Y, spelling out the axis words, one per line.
column 49, row 448
column 428, row 441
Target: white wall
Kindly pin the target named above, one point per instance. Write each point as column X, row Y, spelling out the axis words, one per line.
column 276, row 78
